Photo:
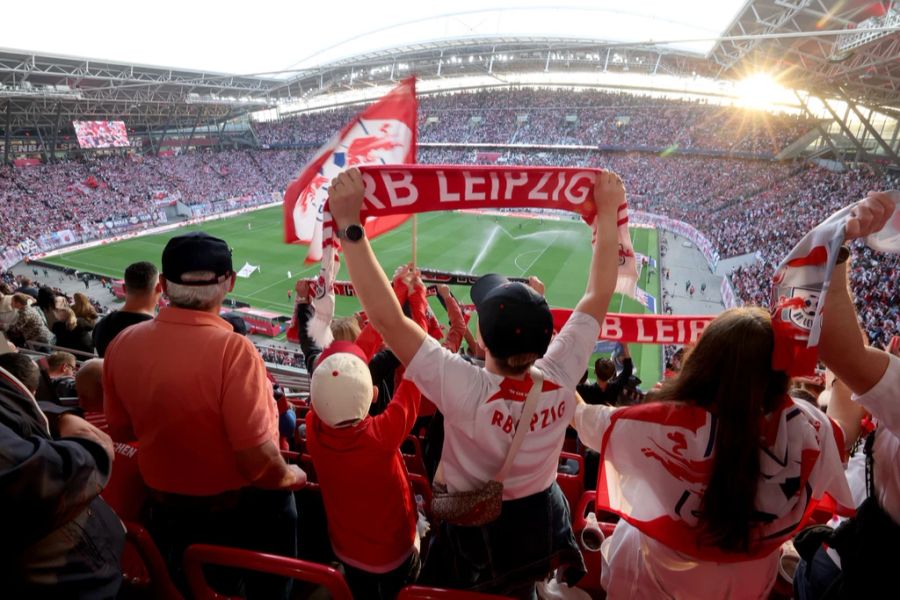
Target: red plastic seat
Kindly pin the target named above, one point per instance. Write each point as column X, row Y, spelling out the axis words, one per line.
column 572, row 486
column 413, row 456
column 591, row 581
column 143, row 567
column 418, row 592
column 199, row 555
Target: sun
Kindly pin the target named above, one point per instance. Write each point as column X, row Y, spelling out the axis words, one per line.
column 759, row 90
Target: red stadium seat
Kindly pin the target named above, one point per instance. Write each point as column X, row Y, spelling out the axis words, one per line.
column 418, row 592
column 199, row 555
column 572, row 486
column 591, row 581
column 144, row 571
column 413, row 456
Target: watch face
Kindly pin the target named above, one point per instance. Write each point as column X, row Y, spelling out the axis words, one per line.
column 354, row 233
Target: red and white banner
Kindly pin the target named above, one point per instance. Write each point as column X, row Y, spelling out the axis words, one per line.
column 799, row 287
column 383, row 133
column 644, row 329
column 424, row 188
column 656, row 460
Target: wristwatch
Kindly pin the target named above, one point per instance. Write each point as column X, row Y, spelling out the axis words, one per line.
column 351, row 233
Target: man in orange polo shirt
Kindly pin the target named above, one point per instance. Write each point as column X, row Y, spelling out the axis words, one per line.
column 194, row 395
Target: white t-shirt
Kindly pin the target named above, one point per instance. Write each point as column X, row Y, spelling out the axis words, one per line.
column 883, row 402
column 481, row 409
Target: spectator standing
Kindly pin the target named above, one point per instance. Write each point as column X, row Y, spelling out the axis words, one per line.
column 481, row 406
column 609, row 385
column 73, row 333
column 705, row 508
column 142, row 292
column 874, row 378
column 60, row 539
column 194, row 395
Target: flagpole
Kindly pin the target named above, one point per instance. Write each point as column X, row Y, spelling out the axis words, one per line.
column 414, row 238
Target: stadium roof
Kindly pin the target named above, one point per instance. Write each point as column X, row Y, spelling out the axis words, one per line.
column 793, row 39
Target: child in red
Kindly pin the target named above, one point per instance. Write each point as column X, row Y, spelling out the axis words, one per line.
column 368, row 498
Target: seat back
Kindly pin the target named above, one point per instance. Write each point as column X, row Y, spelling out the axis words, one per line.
column 413, row 457
column 572, row 485
column 592, row 559
column 200, row 555
column 143, row 566
column 418, row 592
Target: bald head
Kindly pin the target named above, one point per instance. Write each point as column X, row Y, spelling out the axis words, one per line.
column 89, row 385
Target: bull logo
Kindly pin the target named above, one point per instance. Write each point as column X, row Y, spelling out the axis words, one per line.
column 800, row 308
column 690, row 472
column 362, row 149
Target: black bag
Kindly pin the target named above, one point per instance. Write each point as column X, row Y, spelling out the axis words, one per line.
column 867, row 544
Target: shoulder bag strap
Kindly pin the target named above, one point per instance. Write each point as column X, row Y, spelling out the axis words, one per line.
column 524, row 421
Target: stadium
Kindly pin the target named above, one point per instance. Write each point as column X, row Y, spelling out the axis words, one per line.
column 736, row 129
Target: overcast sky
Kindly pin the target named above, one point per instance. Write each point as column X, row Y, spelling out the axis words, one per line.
column 255, row 37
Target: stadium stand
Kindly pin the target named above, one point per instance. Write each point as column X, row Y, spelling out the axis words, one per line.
column 723, row 169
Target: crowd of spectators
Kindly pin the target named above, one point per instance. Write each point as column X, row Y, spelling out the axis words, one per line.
column 85, row 197
column 571, row 117
column 725, row 197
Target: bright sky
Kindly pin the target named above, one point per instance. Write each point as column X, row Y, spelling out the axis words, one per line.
column 256, row 37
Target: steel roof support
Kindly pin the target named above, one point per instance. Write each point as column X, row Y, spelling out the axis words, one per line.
column 868, row 125
column 7, row 132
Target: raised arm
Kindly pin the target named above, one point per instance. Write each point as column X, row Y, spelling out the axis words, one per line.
column 842, row 345
column 401, row 334
column 609, row 195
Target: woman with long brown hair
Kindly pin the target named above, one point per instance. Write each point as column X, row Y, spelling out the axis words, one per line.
column 713, row 473
column 84, row 310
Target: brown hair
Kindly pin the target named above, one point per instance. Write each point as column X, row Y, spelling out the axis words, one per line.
column 729, row 372
column 67, row 316
column 21, row 298
column 345, row 329
column 82, row 308
column 516, row 364
column 58, row 359
column 604, row 369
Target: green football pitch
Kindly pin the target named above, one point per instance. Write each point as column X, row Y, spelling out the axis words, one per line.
column 558, row 252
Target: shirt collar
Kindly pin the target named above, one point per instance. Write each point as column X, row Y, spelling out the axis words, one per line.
column 186, row 316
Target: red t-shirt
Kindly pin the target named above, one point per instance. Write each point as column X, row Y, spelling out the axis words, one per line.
column 368, row 498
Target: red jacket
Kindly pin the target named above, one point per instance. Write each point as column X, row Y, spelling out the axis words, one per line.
column 368, row 498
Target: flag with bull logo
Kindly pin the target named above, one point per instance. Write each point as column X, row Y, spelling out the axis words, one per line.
column 799, row 288
column 383, row 133
column 657, row 460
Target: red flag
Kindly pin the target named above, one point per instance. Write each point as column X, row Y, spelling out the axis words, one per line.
column 383, row 133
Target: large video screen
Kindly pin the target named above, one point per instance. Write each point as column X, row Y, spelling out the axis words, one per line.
column 101, row 134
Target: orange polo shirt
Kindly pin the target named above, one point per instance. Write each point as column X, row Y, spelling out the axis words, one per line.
column 193, row 392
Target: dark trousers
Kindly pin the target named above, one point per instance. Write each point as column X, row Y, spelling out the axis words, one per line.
column 812, row 580
column 382, row 586
column 250, row 518
column 532, row 536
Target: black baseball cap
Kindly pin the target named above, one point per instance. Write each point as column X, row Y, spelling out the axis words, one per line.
column 196, row 251
column 513, row 318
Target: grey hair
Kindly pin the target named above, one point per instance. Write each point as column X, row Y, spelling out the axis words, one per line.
column 197, row 297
